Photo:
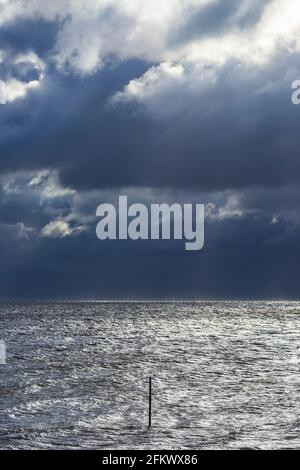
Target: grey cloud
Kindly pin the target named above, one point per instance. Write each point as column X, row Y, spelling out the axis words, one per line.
column 215, row 18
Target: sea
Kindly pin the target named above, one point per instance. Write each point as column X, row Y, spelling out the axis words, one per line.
column 225, row 375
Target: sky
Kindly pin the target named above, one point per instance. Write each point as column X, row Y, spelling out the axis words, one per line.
column 174, row 101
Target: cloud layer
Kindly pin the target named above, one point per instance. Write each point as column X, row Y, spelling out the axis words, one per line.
column 175, row 101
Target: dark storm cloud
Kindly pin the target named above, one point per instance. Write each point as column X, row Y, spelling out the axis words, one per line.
column 239, row 132
column 236, row 263
column 26, row 36
column 63, row 122
column 235, row 135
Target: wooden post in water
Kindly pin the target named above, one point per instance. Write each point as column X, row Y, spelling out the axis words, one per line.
column 150, row 402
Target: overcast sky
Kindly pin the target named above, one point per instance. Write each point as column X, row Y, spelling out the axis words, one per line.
column 164, row 101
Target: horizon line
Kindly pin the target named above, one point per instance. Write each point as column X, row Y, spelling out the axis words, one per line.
column 125, row 301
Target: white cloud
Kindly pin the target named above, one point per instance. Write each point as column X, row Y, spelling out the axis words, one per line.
column 57, row 229
column 231, row 208
column 61, row 228
column 52, row 188
column 168, row 88
column 17, row 89
column 155, row 78
column 47, row 184
column 38, row 179
column 156, row 89
column 94, row 30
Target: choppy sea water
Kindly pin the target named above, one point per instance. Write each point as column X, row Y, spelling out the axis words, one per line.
column 225, row 375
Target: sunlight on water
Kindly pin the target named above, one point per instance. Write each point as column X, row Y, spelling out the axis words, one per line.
column 225, row 375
